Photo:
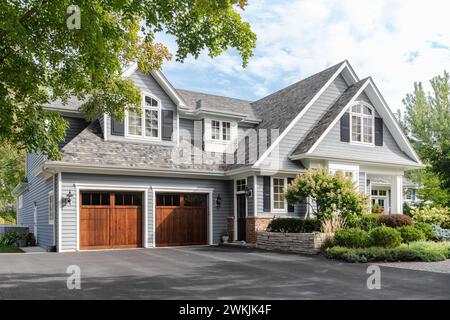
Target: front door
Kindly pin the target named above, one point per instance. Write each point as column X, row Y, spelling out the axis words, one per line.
column 241, row 213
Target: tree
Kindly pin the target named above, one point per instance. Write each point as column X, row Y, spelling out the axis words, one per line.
column 427, row 123
column 327, row 194
column 51, row 50
column 11, row 172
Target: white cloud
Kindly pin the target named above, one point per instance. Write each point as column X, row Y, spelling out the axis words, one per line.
column 397, row 42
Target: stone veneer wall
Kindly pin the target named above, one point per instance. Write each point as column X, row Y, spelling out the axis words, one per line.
column 254, row 225
column 308, row 243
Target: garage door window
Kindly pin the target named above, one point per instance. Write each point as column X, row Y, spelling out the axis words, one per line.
column 95, row 199
column 194, row 200
column 168, row 200
column 128, row 199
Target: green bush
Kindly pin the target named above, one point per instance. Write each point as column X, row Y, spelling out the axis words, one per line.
column 385, row 237
column 435, row 215
column 365, row 222
column 396, row 220
column 294, row 225
column 441, row 233
column 352, row 238
column 11, row 237
column 418, row 251
column 411, row 234
column 426, row 229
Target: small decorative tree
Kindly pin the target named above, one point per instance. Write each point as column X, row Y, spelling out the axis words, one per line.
column 327, row 194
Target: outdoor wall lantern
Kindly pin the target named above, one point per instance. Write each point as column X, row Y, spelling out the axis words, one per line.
column 68, row 199
column 218, row 201
column 248, row 192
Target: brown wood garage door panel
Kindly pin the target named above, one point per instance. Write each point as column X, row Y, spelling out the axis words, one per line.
column 181, row 225
column 126, row 226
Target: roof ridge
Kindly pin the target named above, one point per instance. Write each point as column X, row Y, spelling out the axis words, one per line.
column 212, row 95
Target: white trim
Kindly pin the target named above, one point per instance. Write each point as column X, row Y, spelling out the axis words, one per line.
column 51, row 194
column 105, row 127
column 143, row 136
column 272, row 198
column 111, row 187
column 59, row 206
column 297, row 118
column 175, row 189
column 362, row 116
column 255, row 193
column 331, row 126
column 235, row 210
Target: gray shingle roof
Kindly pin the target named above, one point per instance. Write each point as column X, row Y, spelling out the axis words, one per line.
column 317, row 131
column 280, row 108
column 204, row 101
column 89, row 148
column 72, row 104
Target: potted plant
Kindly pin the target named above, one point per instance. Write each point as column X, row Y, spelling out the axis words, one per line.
column 31, row 240
column 225, row 237
column 22, row 240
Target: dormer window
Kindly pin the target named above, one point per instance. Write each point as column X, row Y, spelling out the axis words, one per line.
column 220, row 126
column 147, row 124
column 362, row 124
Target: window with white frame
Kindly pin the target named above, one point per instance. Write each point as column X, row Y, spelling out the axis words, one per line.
column 241, row 184
column 362, row 124
column 20, row 202
column 220, row 126
column 51, row 207
column 279, row 186
column 146, row 124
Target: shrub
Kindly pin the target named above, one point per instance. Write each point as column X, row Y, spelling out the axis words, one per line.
column 365, row 222
column 435, row 215
column 417, row 251
column 7, row 217
column 411, row 234
column 352, row 238
column 385, row 237
column 11, row 237
column 396, row 220
column 441, row 234
column 377, row 209
column 294, row 225
column 426, row 229
column 333, row 224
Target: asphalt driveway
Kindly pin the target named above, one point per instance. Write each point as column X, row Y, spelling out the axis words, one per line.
column 207, row 273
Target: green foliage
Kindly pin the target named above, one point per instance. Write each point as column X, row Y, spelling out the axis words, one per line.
column 411, row 234
column 7, row 217
column 430, row 187
column 294, row 225
column 385, row 237
column 352, row 238
column 9, row 249
column 420, row 251
column 427, row 123
column 365, row 222
column 377, row 209
column 42, row 60
column 332, row 193
column 10, row 238
column 441, row 234
column 433, row 215
column 395, row 220
column 427, row 230
column 12, row 171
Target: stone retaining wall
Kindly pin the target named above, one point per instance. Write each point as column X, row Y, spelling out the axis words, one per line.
column 308, row 243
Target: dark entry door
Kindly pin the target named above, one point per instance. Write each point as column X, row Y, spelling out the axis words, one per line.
column 241, row 210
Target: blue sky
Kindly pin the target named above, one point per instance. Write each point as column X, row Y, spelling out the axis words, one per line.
column 397, row 42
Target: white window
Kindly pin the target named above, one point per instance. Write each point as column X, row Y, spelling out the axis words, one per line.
column 51, row 207
column 215, row 130
column 241, row 184
column 279, row 187
column 226, row 131
column 147, row 124
column 362, row 122
column 20, row 202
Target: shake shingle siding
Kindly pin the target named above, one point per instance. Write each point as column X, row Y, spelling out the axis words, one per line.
column 224, row 188
column 304, row 125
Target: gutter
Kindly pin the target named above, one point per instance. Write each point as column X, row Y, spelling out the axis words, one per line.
column 20, row 188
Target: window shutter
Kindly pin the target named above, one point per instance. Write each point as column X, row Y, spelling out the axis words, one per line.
column 266, row 194
column 291, row 208
column 167, row 125
column 117, row 127
column 345, row 127
column 378, row 131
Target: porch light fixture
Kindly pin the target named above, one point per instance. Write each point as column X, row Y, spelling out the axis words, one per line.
column 248, row 192
column 218, row 201
column 68, row 199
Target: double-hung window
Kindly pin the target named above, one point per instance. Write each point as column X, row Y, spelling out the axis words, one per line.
column 146, row 124
column 362, row 124
column 279, row 187
column 220, row 130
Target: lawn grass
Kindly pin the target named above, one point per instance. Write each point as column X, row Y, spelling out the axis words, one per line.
column 9, row 249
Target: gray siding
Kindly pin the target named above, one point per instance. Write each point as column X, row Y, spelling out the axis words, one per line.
column 69, row 219
column 76, row 125
column 37, row 192
column 309, row 119
column 148, row 84
column 250, row 201
column 362, row 182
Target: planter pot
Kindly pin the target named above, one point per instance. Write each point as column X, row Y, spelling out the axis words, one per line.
column 31, row 243
column 225, row 238
column 22, row 243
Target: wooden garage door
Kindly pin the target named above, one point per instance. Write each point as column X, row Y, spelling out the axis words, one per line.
column 110, row 220
column 181, row 219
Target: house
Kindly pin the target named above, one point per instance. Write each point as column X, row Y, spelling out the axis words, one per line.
column 193, row 166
